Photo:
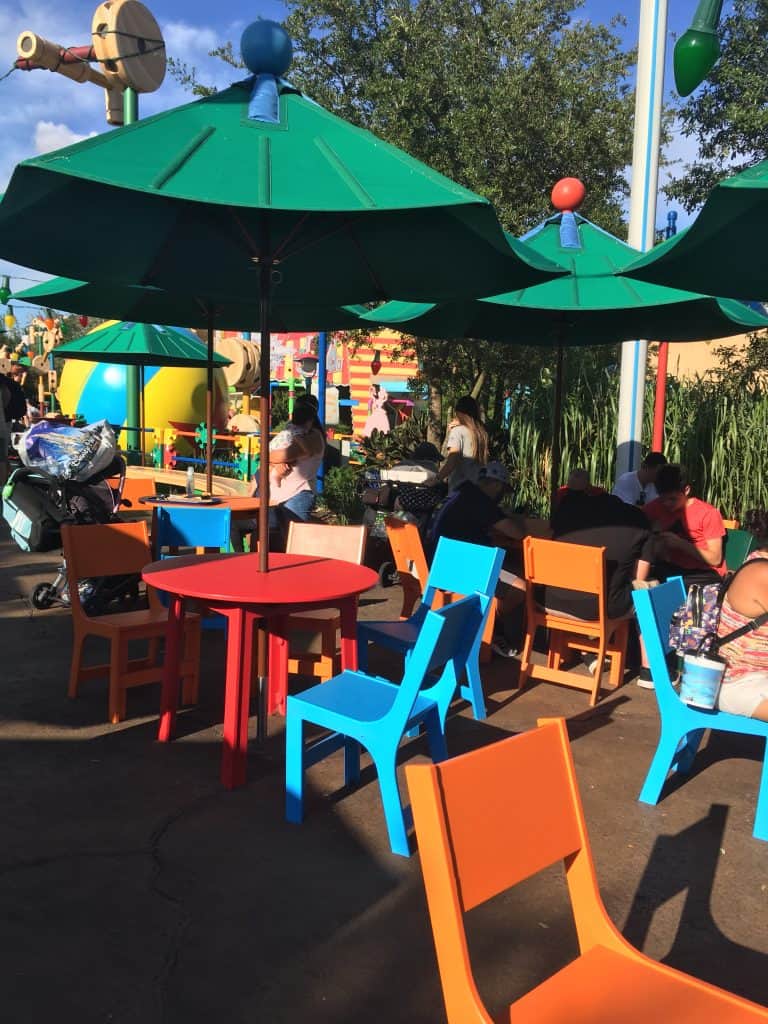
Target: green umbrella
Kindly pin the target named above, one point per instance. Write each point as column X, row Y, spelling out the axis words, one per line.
column 142, row 345
column 252, row 191
column 723, row 251
column 589, row 307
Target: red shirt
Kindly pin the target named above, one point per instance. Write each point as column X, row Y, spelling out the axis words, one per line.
column 697, row 522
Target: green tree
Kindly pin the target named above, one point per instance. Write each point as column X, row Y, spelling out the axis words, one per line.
column 728, row 115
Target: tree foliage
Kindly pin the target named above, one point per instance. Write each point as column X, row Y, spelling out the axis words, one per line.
column 728, row 115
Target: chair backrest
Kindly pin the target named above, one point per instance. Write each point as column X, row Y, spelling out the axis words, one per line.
column 557, row 563
column 177, row 527
column 462, row 568
column 654, row 610
column 731, row 524
column 112, row 549
column 738, row 544
column 408, row 551
column 344, row 542
column 136, row 487
column 445, row 640
column 478, row 835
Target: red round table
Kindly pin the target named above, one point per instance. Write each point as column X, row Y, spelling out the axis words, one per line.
column 233, row 586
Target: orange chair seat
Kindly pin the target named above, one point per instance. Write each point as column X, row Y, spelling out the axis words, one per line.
column 606, row 987
column 141, row 619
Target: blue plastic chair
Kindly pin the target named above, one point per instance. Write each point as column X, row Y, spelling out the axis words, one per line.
column 368, row 710
column 682, row 726
column 177, row 530
column 457, row 568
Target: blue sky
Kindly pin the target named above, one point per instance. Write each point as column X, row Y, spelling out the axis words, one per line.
column 40, row 111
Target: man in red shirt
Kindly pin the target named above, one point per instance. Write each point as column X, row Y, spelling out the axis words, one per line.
column 690, row 532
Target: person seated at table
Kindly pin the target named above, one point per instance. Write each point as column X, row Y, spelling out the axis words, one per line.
column 472, row 514
column 689, row 532
column 295, row 456
column 603, row 520
column 578, row 482
column 744, row 690
column 639, row 485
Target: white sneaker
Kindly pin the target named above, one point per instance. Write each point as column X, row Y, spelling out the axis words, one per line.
column 500, row 646
column 592, row 665
column 646, row 684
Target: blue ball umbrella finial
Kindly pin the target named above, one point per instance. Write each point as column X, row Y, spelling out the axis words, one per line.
column 266, row 48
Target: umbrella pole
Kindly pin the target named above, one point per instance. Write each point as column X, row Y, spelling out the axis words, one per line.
column 209, row 407
column 142, row 413
column 557, row 414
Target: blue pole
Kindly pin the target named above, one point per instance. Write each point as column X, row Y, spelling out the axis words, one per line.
column 322, row 353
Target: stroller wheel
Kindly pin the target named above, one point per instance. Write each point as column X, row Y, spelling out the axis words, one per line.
column 43, row 596
column 388, row 575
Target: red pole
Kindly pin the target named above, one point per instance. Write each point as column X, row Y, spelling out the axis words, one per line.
column 660, row 405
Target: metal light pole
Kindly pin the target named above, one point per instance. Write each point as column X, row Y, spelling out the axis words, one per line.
column 649, row 92
column 660, row 403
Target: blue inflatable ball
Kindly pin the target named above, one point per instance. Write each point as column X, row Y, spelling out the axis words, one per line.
column 266, row 48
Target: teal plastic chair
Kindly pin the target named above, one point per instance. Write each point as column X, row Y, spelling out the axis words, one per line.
column 738, row 544
column 682, row 726
column 457, row 568
column 179, row 530
column 366, row 710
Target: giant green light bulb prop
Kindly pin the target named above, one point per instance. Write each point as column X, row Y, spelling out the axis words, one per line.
column 698, row 49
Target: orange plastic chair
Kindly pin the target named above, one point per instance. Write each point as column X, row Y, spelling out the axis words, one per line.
column 731, row 524
column 478, row 835
column 112, row 550
column 136, row 487
column 572, row 567
column 410, row 561
column 346, row 543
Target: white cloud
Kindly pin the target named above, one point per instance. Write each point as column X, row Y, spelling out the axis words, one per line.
column 186, row 41
column 49, row 136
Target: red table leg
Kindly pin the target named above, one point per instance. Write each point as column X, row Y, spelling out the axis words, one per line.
column 237, row 697
column 278, row 664
column 169, row 693
column 348, row 609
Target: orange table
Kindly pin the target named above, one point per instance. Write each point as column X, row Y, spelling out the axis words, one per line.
column 232, row 585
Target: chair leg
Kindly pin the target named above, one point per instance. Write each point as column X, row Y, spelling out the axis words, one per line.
column 472, row 690
column 191, row 681
column 393, row 807
column 351, row 762
column 118, row 658
column 294, row 768
column 525, row 657
column 595, row 694
column 660, row 766
column 686, row 756
column 74, row 670
column 438, row 750
column 362, row 654
column 760, row 830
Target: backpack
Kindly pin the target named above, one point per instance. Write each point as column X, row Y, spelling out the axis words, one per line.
column 16, row 406
column 693, row 627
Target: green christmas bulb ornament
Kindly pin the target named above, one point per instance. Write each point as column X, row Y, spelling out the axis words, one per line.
column 698, row 49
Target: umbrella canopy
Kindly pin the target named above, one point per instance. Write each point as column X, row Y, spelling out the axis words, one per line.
column 591, row 306
column 723, row 251
column 152, row 305
column 131, row 344
column 193, row 200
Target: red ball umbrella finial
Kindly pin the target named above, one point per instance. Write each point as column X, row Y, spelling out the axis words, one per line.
column 568, row 195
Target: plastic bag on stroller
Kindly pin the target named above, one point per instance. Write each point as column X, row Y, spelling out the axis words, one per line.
column 70, row 453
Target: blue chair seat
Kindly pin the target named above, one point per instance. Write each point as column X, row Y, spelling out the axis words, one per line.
column 344, row 695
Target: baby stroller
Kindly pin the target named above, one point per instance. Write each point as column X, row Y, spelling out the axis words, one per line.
column 36, row 504
column 409, row 490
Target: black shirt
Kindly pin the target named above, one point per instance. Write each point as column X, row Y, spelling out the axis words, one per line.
column 468, row 514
